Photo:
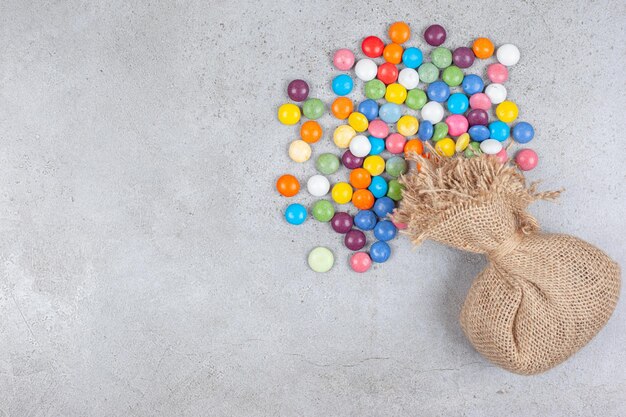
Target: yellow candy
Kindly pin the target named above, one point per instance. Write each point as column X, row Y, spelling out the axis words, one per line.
column 396, row 93
column 462, row 142
column 445, row 147
column 358, row 121
column 343, row 135
column 507, row 111
column 289, row 114
column 342, row 193
column 299, row 151
column 374, row 164
column 407, row 125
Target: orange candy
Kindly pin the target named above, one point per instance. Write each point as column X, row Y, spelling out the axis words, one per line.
column 288, row 185
column 399, row 32
column 311, row 131
column 483, row 48
column 393, row 53
column 413, row 145
column 363, row 199
column 342, row 107
column 360, row 178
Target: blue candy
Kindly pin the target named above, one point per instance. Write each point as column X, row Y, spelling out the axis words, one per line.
column 472, row 84
column 412, row 57
column 365, row 220
column 295, row 214
column 390, row 112
column 479, row 133
column 438, row 91
column 342, row 84
column 385, row 230
column 369, row 108
column 425, row 131
column 380, row 251
column 523, row 132
column 378, row 145
column 499, row 131
column 458, row 103
column 383, row 207
column 378, row 187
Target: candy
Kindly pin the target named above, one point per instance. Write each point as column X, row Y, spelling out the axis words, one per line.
column 321, row 259
column 360, row 146
column 355, row 239
column 313, row 108
column 502, row 156
column 496, row 93
column 360, row 262
column 412, row 57
column 523, row 132
column 323, row 211
column 289, row 114
column 387, row 73
column 318, row 185
column 483, row 48
column 440, row 131
column 341, row 222
column 477, row 117
column 472, row 150
column 393, row 53
column 327, row 163
column 415, row 99
column 366, row 69
column 462, row 142
column 378, row 145
column 407, row 125
column 375, row 89
column 299, row 151
column 380, row 251
column 435, row 35
column 438, row 91
column 395, row 142
column 480, row 101
column 395, row 190
column 441, row 57
column 343, row 59
column 497, row 73
column 360, row 178
column 288, row 185
column 445, row 147
column 310, row 131
column 463, row 57
column 457, row 124
column 507, row 111
column 298, row 90
column 479, row 133
column 365, row 220
column 491, row 146
column 385, row 230
column 472, row 84
column 341, row 107
column 378, row 187
column 342, row 136
column 433, row 112
column 363, row 199
column 428, row 72
column 395, row 166
column 399, row 32
column 342, row 193
column 358, row 121
column 508, row 54
column 526, row 159
column 383, row 207
column 295, row 214
column 372, row 46
column 458, row 103
column 425, row 131
column 368, row 108
column 396, row 93
column 408, row 78
column 499, row 130
column 453, row 76
column 414, row 145
column 378, row 129
column 350, row 161
column 374, row 164
column 342, row 85
column 390, row 112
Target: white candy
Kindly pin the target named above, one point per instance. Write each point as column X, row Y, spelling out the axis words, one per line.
column 408, row 78
column 496, row 93
column 508, row 54
column 433, row 112
column 360, row 146
column 318, row 185
column 490, row 146
column 366, row 69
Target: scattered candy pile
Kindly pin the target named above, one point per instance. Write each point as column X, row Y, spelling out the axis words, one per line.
column 393, row 98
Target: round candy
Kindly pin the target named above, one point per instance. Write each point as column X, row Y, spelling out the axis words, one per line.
column 479, row 133
column 399, row 226
column 368, row 108
column 408, row 78
column 508, row 54
column 412, row 57
column 327, row 163
column 457, row 124
column 298, row 90
column 472, row 84
column 523, row 132
column 415, row 99
column 321, row 259
column 384, row 206
column 385, row 230
column 395, row 190
column 295, row 214
column 372, row 46
column 289, row 114
column 445, row 147
column 462, row 142
column 395, row 166
column 395, row 143
column 299, row 151
column 378, row 145
column 323, row 210
column 341, row 222
column 378, row 128
column 288, row 185
column 414, row 145
column 387, row 73
column 438, row 91
column 463, row 57
column 507, row 111
column 428, row 72
column 483, row 48
column 491, row 146
column 399, row 32
column 363, row 199
column 358, row 121
column 497, row 73
column 441, row 131
column 310, row 131
column 378, row 187
column 499, row 130
column 496, row 93
column 343, row 59
column 441, row 57
column 480, row 101
column 407, row 125
column 435, row 35
column 360, row 146
column 342, row 84
column 380, row 251
column 360, row 262
column 366, row 69
column 393, row 53
column 350, row 161
column 342, row 193
column 453, row 76
column 360, row 178
column 502, row 156
column 458, row 103
column 318, row 185
column 477, row 117
column 396, row 93
column 343, row 135
column 390, row 112
column 425, row 131
column 375, row 89
column 313, row 108
column 433, row 112
column 342, row 107
column 365, row 220
column 374, row 164
column 526, row 159
column 473, row 150
column 355, row 239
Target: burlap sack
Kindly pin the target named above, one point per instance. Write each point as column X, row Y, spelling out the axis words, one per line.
column 542, row 296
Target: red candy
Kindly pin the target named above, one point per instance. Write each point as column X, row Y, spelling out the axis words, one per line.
column 372, row 46
column 388, row 73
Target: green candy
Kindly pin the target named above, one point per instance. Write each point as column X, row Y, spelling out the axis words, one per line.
column 428, row 73
column 321, row 259
column 313, row 108
column 375, row 89
column 452, row 76
column 327, row 163
column 441, row 57
column 415, row 99
column 395, row 166
column 323, row 210
column 441, row 130
column 473, row 150
column 395, row 190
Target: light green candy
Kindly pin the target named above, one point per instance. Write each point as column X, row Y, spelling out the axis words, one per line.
column 415, row 99
column 441, row 130
column 321, row 259
column 453, row 76
column 313, row 108
column 473, row 150
column 395, row 166
column 395, row 190
column 428, row 73
column 323, row 210
column 375, row 89
column 327, row 163
column 441, row 57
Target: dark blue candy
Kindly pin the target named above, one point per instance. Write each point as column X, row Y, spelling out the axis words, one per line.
column 425, row 131
column 438, row 91
column 472, row 84
column 523, row 132
column 380, row 251
column 369, row 108
column 365, row 220
column 479, row 133
column 385, row 230
column 383, row 207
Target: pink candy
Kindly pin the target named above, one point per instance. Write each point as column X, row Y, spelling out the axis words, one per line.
column 378, row 129
column 526, row 159
column 502, row 156
column 360, row 262
column 497, row 73
column 343, row 59
column 457, row 124
column 395, row 143
column 480, row 101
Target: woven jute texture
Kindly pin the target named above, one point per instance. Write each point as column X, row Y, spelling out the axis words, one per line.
column 542, row 296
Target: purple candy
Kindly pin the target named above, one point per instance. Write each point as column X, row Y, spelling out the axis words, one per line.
column 298, row 90
column 435, row 35
column 463, row 57
column 341, row 222
column 355, row 239
column 350, row 161
column 477, row 117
